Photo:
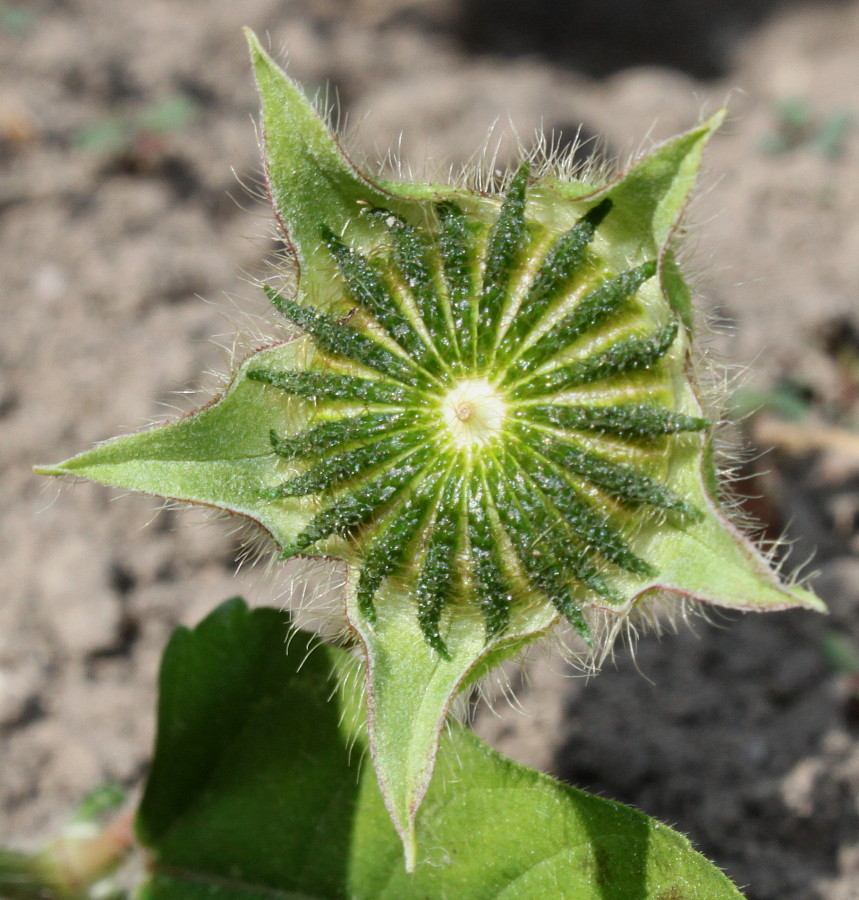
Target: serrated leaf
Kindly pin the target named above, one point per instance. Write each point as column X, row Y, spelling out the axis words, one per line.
column 258, row 790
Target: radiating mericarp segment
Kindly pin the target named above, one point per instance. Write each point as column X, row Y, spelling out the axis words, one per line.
column 403, row 458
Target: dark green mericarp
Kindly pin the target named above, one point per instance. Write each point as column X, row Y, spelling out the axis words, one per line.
column 478, row 438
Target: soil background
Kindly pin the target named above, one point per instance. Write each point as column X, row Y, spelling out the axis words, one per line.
column 130, row 234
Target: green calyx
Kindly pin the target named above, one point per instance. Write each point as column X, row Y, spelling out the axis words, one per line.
column 489, row 405
column 504, row 416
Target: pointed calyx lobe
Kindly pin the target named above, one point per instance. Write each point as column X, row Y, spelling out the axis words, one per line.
column 513, row 422
column 506, row 412
column 490, row 406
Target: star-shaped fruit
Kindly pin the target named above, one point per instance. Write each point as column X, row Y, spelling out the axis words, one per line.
column 486, row 411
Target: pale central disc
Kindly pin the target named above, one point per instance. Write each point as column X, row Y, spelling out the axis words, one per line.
column 473, row 412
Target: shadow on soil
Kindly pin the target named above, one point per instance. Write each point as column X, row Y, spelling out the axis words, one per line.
column 602, row 38
column 705, row 731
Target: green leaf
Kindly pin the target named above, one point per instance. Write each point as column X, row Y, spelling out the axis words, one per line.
column 251, row 781
column 258, row 790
